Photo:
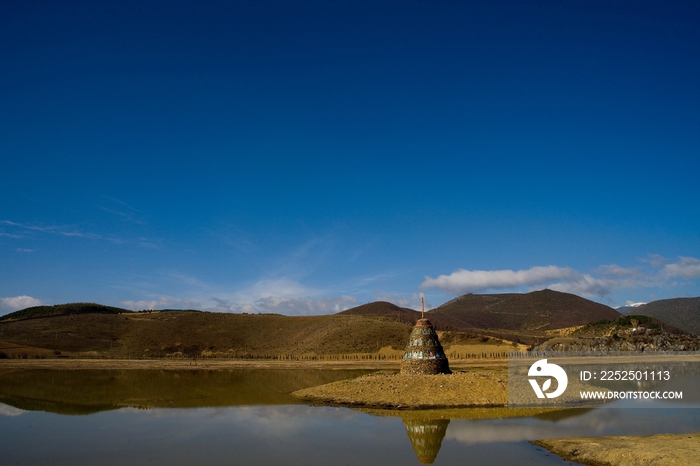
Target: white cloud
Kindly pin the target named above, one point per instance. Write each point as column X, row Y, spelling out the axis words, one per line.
column 18, row 302
column 614, row 270
column 655, row 260
column 160, row 303
column 463, row 281
column 587, row 285
column 279, row 295
column 601, row 282
column 686, row 267
column 298, row 306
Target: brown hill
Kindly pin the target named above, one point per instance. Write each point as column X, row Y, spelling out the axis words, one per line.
column 62, row 309
column 680, row 312
column 385, row 309
column 201, row 333
column 534, row 311
column 520, row 317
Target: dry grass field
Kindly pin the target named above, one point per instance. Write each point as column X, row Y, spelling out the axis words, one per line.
column 183, row 334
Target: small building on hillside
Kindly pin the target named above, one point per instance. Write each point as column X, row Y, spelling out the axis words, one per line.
column 424, row 354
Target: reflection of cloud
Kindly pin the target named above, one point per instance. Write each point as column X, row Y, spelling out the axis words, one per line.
column 593, row 423
column 11, row 411
column 271, row 421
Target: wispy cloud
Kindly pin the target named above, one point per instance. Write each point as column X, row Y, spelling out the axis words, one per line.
column 73, row 232
column 17, row 303
column 53, row 229
column 25, row 250
column 124, row 211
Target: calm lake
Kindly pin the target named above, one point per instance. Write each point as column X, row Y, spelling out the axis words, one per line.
column 248, row 417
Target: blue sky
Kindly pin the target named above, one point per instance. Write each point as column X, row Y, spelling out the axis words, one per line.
column 305, row 157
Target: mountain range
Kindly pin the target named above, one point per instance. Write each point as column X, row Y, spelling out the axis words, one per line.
column 529, row 318
column 514, row 316
column 683, row 313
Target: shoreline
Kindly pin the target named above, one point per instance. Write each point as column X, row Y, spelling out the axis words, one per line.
column 187, row 364
column 220, row 364
column 676, row 449
column 226, row 364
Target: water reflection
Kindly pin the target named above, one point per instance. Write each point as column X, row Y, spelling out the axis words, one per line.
column 426, row 437
column 92, row 391
column 263, row 425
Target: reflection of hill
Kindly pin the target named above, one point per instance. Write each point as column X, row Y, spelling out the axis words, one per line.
column 426, row 437
column 85, row 392
column 561, row 414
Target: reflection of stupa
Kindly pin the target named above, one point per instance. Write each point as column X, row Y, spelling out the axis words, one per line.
column 426, row 437
column 424, row 354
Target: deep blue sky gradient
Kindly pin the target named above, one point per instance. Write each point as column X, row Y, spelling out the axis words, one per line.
column 219, row 154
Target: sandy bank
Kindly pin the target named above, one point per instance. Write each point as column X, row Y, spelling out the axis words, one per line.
column 185, row 364
column 481, row 388
column 217, row 364
column 676, row 449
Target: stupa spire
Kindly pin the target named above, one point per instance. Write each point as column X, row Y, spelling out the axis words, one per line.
column 422, row 308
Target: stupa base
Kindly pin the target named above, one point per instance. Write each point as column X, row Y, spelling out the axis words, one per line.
column 425, row 367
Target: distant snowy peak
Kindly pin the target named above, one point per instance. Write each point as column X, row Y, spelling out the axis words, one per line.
column 628, row 306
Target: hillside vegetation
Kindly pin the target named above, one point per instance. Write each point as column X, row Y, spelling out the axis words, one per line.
column 62, row 309
column 519, row 317
column 535, row 311
column 627, row 333
column 384, row 309
column 680, row 312
column 201, row 333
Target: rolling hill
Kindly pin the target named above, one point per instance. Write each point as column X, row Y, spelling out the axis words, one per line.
column 384, row 309
column 534, row 311
column 135, row 334
column 683, row 313
column 519, row 317
column 62, row 309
